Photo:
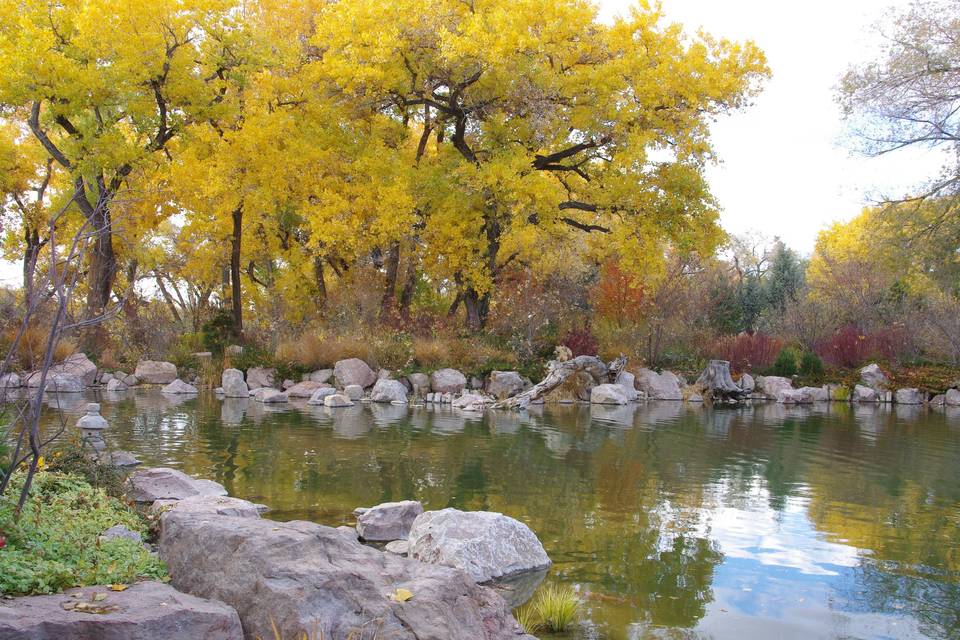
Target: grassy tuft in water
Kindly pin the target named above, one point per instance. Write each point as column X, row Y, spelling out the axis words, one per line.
column 554, row 609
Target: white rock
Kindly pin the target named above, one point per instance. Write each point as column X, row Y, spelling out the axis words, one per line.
column 161, row 483
column 608, row 394
column 447, row 381
column 629, row 383
column 234, row 386
column 399, row 547
column 155, row 372
column 353, row 391
column 353, row 371
column 388, row 521
column 63, row 383
column 864, row 394
column 116, row 385
column 320, row 394
column 469, row 402
column 179, row 387
column 872, row 376
column 771, row 386
column 211, row 504
column 909, row 396
column 504, row 384
column 659, row 386
column 271, row 396
column 258, row 377
column 484, row 544
column 952, row 398
column 419, row 383
column 337, row 400
column 305, row 389
column 388, row 391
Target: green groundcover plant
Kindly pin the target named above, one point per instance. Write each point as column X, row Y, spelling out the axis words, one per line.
column 54, row 544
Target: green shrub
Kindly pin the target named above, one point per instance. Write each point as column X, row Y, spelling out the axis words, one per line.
column 217, row 332
column 786, row 363
column 811, row 364
column 54, row 545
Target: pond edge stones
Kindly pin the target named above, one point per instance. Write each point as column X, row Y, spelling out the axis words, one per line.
column 485, row 544
column 387, row 521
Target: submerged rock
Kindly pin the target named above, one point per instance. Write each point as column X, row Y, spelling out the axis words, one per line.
column 485, row 544
column 155, row 372
column 304, row 576
column 162, row 483
column 143, row 611
column 388, row 521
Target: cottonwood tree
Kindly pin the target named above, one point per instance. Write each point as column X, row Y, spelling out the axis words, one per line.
column 536, row 119
column 908, row 96
column 105, row 86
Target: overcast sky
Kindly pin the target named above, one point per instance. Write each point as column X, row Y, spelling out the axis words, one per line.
column 785, row 168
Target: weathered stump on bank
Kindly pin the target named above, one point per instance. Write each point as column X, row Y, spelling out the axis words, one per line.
column 558, row 371
column 717, row 385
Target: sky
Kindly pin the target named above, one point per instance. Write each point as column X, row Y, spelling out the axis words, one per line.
column 785, row 169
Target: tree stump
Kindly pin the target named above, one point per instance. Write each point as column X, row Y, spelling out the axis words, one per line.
column 717, row 385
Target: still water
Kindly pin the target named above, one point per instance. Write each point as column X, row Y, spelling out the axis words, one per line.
column 671, row 520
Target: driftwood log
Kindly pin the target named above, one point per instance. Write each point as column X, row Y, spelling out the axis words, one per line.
column 558, row 371
column 717, row 386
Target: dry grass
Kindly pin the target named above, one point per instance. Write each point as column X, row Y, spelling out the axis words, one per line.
column 32, row 345
column 316, row 351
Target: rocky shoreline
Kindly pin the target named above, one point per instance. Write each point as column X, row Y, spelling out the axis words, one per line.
column 235, row 575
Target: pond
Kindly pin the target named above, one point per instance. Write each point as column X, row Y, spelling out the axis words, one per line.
column 670, row 520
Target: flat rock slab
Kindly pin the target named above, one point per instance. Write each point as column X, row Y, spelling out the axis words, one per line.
column 161, row 483
column 304, row 576
column 156, row 372
column 485, row 544
column 218, row 505
column 388, row 521
column 144, row 611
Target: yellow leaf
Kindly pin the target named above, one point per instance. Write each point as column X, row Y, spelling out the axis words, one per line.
column 401, row 595
column 118, row 587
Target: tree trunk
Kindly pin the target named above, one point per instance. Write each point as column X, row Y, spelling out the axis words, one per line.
column 478, row 308
column 558, row 371
column 320, row 281
column 103, row 262
column 409, row 287
column 235, row 291
column 31, row 239
column 392, row 264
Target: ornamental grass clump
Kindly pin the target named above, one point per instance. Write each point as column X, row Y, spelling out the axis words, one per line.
column 555, row 608
column 54, row 543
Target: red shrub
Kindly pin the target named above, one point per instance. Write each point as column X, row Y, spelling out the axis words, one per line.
column 746, row 351
column 850, row 347
column 581, row 342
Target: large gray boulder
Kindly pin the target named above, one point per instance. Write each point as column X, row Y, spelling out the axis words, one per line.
column 155, row 372
column 318, row 396
column 320, row 375
column 388, row 521
column 659, row 386
column 388, row 391
column 212, row 504
column 258, row 377
column 909, row 396
column 116, row 385
column 9, row 381
column 78, row 365
column 353, row 371
column 419, row 383
column 608, row 394
column 628, row 382
column 64, row 383
column 872, row 376
column 305, row 576
column 162, row 483
column 476, row 402
column 484, row 544
column 178, row 387
column 864, row 394
column 771, row 386
column 952, row 398
column 305, row 389
column 504, row 384
column 233, row 384
column 144, row 611
column 447, row 381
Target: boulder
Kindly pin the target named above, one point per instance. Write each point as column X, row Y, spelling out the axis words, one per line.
column 105, row 378
column 864, row 394
column 399, row 547
column 793, row 396
column 484, row 544
column 872, row 376
column 468, row 402
column 258, row 377
column 628, row 382
column 120, row 459
column 305, row 389
column 770, row 386
column 447, row 381
column 337, row 400
column 320, row 375
column 318, row 395
column 63, row 383
column 143, row 611
column 155, row 372
column 9, row 381
column 271, row 396
column 218, row 505
column 952, row 398
column 504, row 384
column 608, row 394
column 388, row 391
column 117, row 385
column 131, row 380
column 233, row 384
column 747, row 383
column 419, row 383
column 75, row 366
column 179, row 387
column 301, row 576
column 388, row 521
column 353, row 371
column 118, row 531
column 162, row 483
column 659, row 386
column 909, row 396
column 353, row 391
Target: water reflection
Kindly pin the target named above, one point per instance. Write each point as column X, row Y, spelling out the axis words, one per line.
column 671, row 519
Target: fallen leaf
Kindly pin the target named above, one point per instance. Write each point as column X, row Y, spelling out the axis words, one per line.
column 99, row 597
column 401, row 595
column 118, row 587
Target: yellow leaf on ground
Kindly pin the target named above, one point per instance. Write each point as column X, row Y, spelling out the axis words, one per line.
column 118, row 587
column 401, row 595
